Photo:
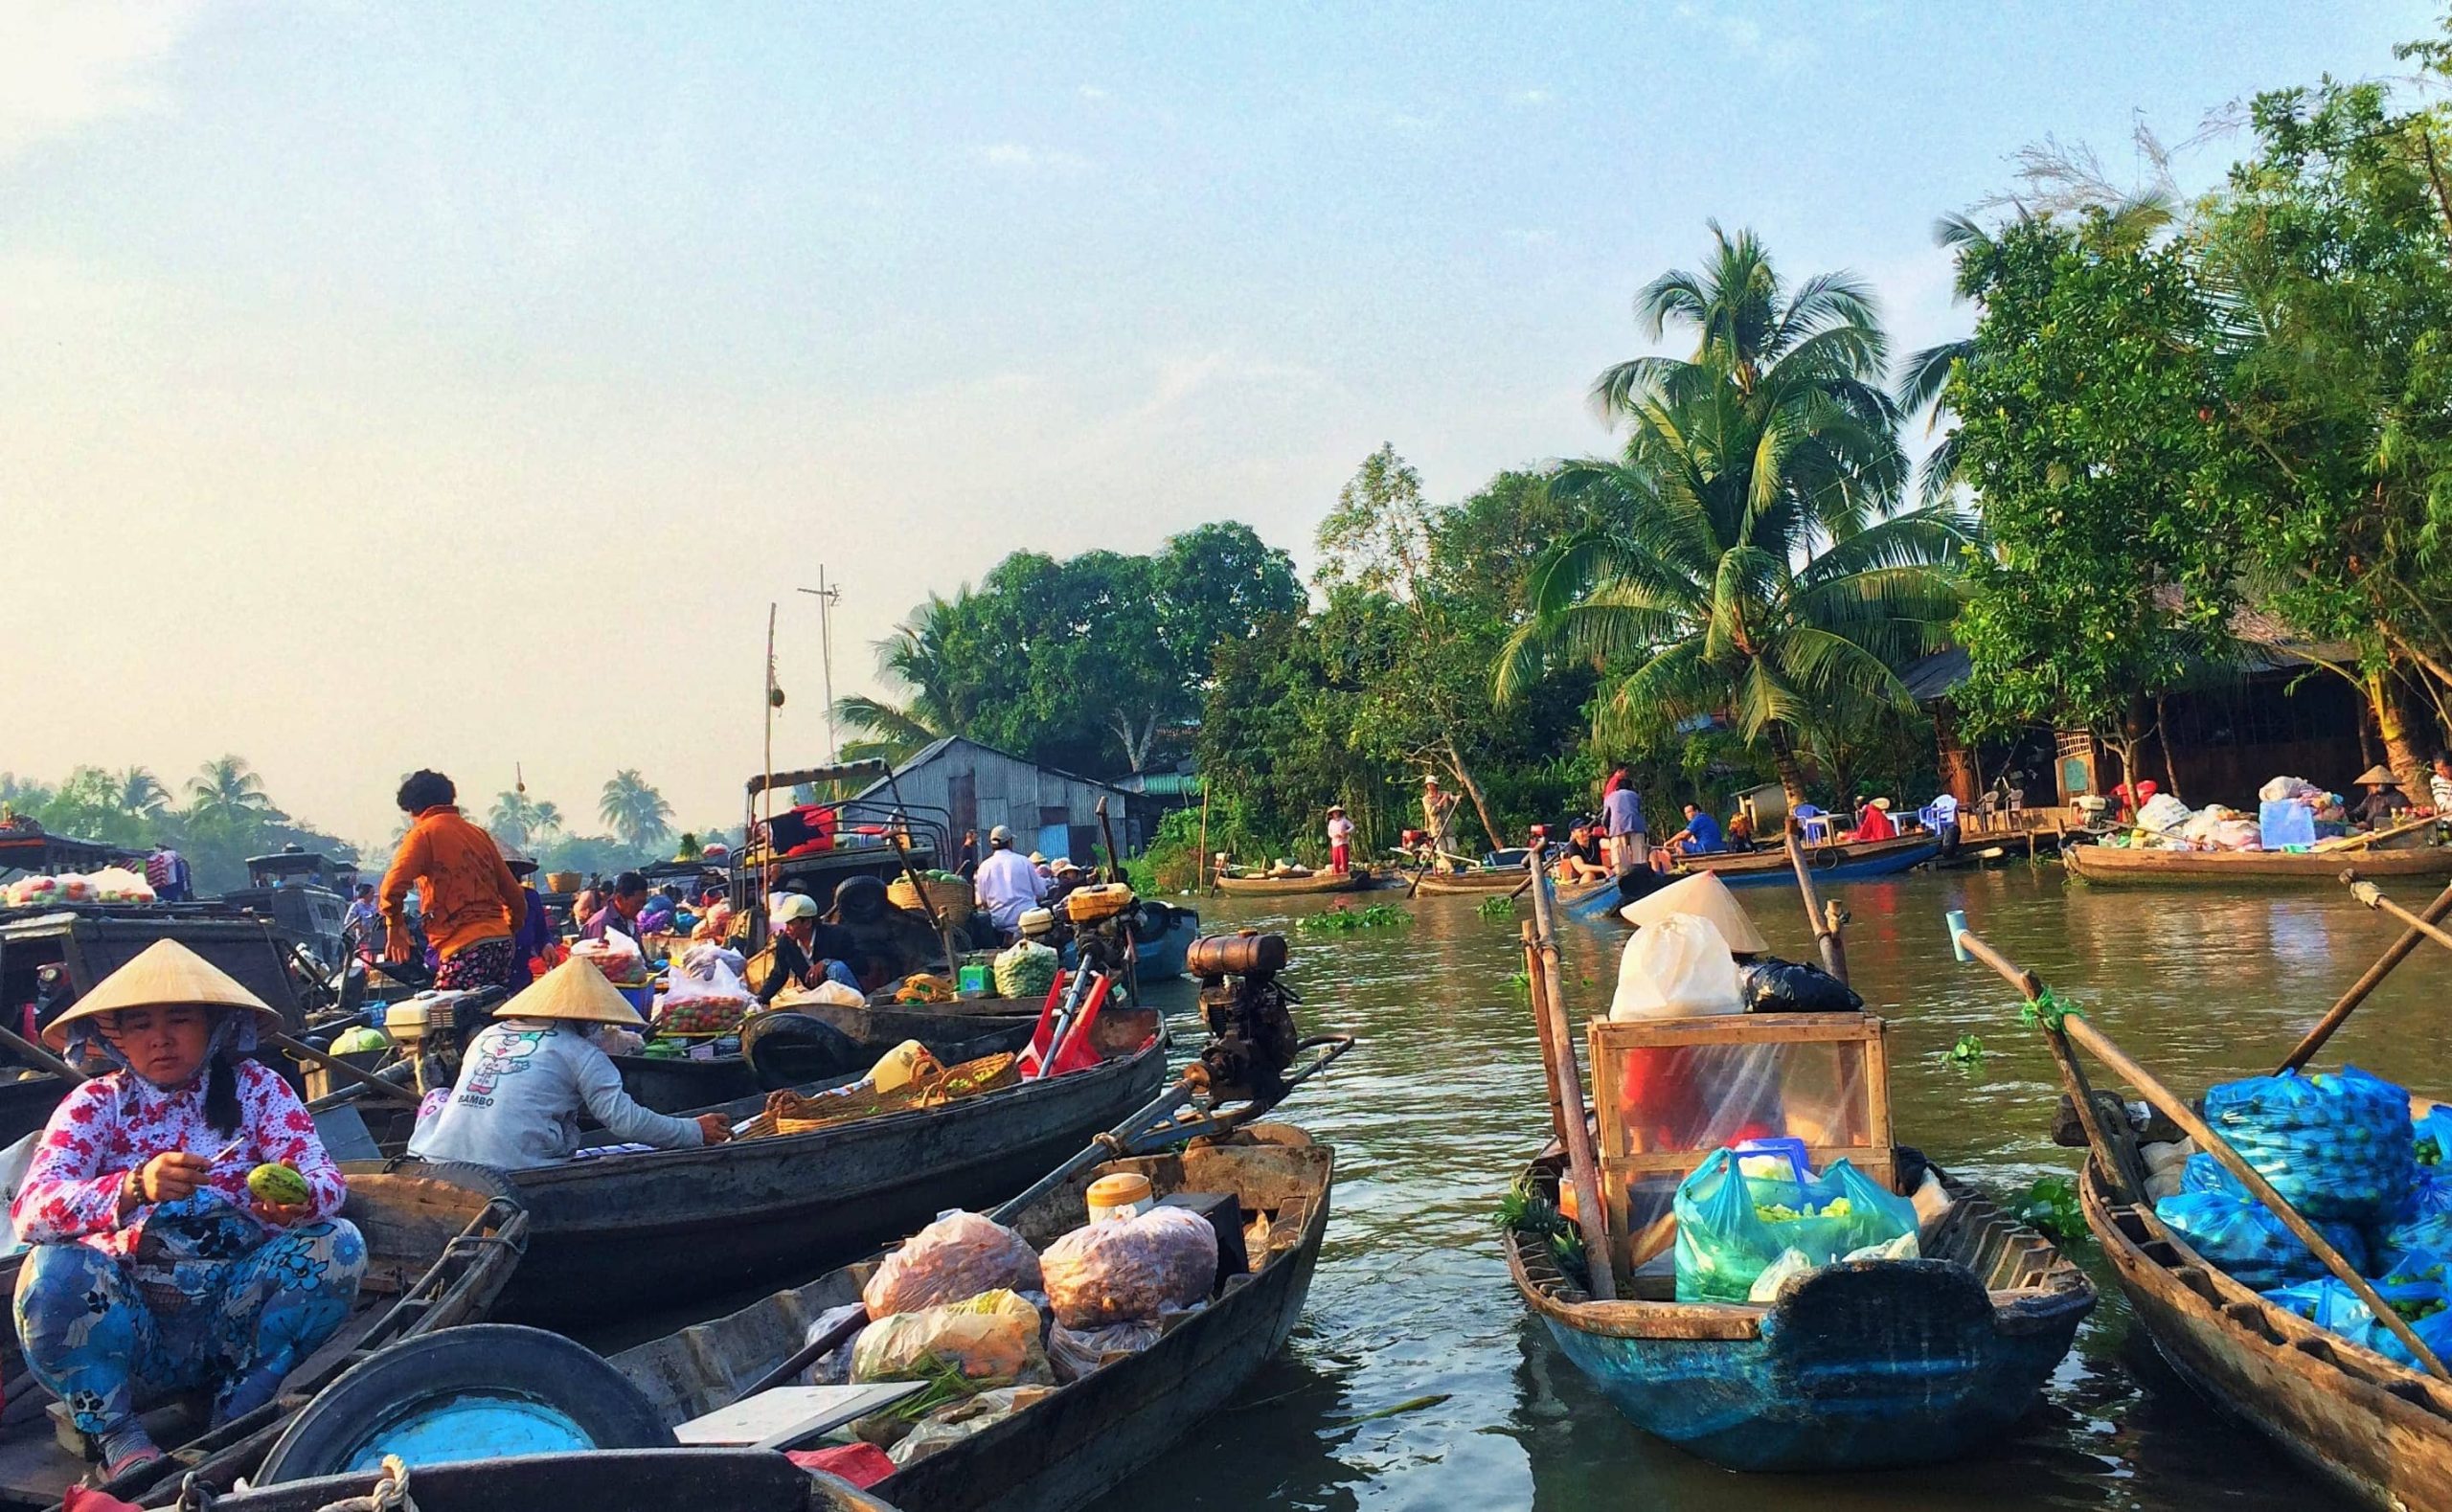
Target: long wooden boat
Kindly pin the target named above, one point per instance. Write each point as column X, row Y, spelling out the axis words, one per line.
column 437, row 1256
column 605, row 1481
column 1838, row 861
column 2117, row 866
column 2377, row 1430
column 1070, row 1448
column 1489, row 879
column 1858, row 1366
column 987, row 1024
column 648, row 1226
column 1264, row 886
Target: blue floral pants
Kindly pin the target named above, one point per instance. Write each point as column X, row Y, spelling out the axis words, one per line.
column 206, row 1303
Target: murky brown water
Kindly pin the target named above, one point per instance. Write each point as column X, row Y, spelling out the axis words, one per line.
column 1443, row 1101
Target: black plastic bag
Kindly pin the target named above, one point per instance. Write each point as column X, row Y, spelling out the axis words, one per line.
column 1773, row 985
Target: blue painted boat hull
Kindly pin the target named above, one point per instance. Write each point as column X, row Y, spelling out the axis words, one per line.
column 1163, row 958
column 1763, row 868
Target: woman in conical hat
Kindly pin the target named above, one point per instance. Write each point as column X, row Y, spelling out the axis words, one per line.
column 153, row 1267
column 526, row 1076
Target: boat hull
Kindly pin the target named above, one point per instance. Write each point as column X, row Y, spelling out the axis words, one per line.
column 2378, row 1432
column 1858, row 1367
column 1290, row 887
column 1445, row 883
column 2116, row 867
column 1842, row 860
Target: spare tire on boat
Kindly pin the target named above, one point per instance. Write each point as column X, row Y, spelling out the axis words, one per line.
column 482, row 1392
column 791, row 1050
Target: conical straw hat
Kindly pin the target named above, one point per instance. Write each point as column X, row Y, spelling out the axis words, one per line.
column 2378, row 772
column 164, row 974
column 572, row 990
column 1706, row 897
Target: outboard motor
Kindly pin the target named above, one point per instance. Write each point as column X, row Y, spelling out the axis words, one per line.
column 1252, row 1036
column 434, row 1027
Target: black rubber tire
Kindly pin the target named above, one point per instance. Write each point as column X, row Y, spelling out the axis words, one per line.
column 494, row 1357
column 792, row 1049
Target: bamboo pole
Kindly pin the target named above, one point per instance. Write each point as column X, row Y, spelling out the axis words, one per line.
column 2075, row 1028
column 1541, row 1025
column 2371, row 895
column 1823, row 923
column 40, row 1057
column 1200, row 861
column 1567, row 1084
column 2394, row 955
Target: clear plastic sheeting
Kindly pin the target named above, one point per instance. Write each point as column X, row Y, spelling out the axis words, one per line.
column 1702, row 1097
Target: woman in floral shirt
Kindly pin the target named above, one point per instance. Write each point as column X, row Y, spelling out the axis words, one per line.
column 153, row 1270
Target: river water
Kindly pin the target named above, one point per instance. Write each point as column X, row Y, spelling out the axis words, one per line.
column 1441, row 1103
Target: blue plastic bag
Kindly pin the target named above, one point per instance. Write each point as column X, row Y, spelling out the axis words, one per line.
column 2203, row 1173
column 2336, row 1145
column 2433, row 1137
column 2332, row 1306
column 2249, row 1243
column 1725, row 1238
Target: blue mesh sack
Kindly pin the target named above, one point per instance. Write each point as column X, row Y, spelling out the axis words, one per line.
column 2249, row 1243
column 2430, row 1235
column 2336, row 1145
column 2432, row 1136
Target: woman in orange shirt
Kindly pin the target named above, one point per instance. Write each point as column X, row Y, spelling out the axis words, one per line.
column 471, row 903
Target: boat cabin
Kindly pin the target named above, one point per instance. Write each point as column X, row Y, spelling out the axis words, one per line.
column 89, row 943
column 305, row 894
column 32, row 853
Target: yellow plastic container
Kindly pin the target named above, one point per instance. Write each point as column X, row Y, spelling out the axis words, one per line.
column 1126, row 1194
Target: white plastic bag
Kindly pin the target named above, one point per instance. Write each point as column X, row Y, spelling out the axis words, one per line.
column 2282, row 787
column 1677, row 967
column 2164, row 813
column 616, row 955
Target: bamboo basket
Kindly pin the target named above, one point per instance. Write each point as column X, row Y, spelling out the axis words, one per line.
column 564, row 881
column 952, row 899
column 789, row 1113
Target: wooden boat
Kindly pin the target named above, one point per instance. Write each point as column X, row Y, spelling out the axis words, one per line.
column 1838, row 861
column 605, row 1480
column 2380, row 1431
column 1266, row 886
column 1162, row 934
column 2119, row 866
column 951, row 1032
column 1070, row 1448
column 1857, row 1365
column 26, row 1101
column 437, row 1256
column 672, row 1083
column 621, row 1228
column 1489, row 879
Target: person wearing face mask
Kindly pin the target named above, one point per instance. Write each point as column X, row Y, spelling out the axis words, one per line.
column 152, row 1268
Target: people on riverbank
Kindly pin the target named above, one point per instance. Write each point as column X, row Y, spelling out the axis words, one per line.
column 152, row 1266
column 470, row 902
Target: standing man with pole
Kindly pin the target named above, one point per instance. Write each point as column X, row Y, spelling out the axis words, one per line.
column 1439, row 817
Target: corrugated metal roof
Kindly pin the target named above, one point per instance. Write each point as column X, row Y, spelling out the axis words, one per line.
column 935, row 748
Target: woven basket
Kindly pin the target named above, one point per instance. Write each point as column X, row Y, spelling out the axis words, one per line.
column 789, row 1113
column 564, row 881
column 952, row 899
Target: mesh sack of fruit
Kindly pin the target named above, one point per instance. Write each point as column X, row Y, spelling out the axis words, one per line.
column 960, row 1255
column 2332, row 1306
column 2334, row 1145
column 1124, row 1270
column 2249, row 1243
column 1731, row 1225
column 1026, row 970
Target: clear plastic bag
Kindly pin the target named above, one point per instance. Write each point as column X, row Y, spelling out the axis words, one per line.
column 959, row 1256
column 1131, row 1269
column 710, row 1000
column 1677, row 967
column 992, row 1339
column 1076, row 1352
column 1732, row 1226
column 951, row 1424
column 834, row 1367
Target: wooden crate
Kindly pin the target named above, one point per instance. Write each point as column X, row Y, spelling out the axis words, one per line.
column 1830, row 1088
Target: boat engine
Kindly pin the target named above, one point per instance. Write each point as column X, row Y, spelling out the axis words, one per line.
column 1250, row 1014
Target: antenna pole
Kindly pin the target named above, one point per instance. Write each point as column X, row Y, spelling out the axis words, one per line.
column 828, row 596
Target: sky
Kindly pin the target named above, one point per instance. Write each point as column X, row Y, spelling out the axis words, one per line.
column 456, row 385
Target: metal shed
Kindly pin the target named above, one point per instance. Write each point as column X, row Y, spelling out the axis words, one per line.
column 1055, row 813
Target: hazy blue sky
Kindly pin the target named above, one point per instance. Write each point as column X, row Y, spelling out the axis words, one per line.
column 455, row 384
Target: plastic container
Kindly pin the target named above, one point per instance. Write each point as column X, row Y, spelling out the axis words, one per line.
column 973, row 980
column 1126, row 1194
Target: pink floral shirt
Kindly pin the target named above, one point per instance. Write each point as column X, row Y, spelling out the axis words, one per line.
column 114, row 1123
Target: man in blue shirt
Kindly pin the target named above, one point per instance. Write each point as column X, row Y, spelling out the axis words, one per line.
column 1701, row 836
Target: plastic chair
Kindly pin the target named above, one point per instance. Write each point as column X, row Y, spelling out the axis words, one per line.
column 1817, row 829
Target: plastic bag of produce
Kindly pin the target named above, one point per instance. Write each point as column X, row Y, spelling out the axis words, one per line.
column 710, row 1000
column 2249, row 1243
column 2333, row 1145
column 1076, row 1352
column 1127, row 1270
column 956, row 1421
column 118, row 885
column 2431, row 1234
column 616, row 955
column 2432, row 1138
column 2165, row 813
column 1786, row 986
column 1677, row 967
column 834, row 1367
column 989, row 1340
column 1731, row 1227
column 2203, row 1173
column 1027, row 969
column 959, row 1256
column 2332, row 1306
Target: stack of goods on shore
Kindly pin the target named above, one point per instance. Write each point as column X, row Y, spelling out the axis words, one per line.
column 2343, row 1149
column 989, row 1325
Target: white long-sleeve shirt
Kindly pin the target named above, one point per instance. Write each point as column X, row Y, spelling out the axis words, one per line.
column 522, row 1085
column 1006, row 886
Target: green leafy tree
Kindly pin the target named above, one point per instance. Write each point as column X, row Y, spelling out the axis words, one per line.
column 2086, row 431
column 1748, row 562
column 635, row 810
column 910, row 660
column 226, row 792
column 522, row 821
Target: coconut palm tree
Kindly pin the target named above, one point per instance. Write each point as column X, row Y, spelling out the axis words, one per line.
column 912, row 659
column 637, row 812
column 141, row 795
column 513, row 819
column 1750, row 564
column 226, row 792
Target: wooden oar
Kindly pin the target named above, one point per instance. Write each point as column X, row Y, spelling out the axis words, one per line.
column 39, row 1055
column 2073, row 1027
column 2371, row 895
column 300, row 1050
column 2347, row 1003
column 1566, row 1081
